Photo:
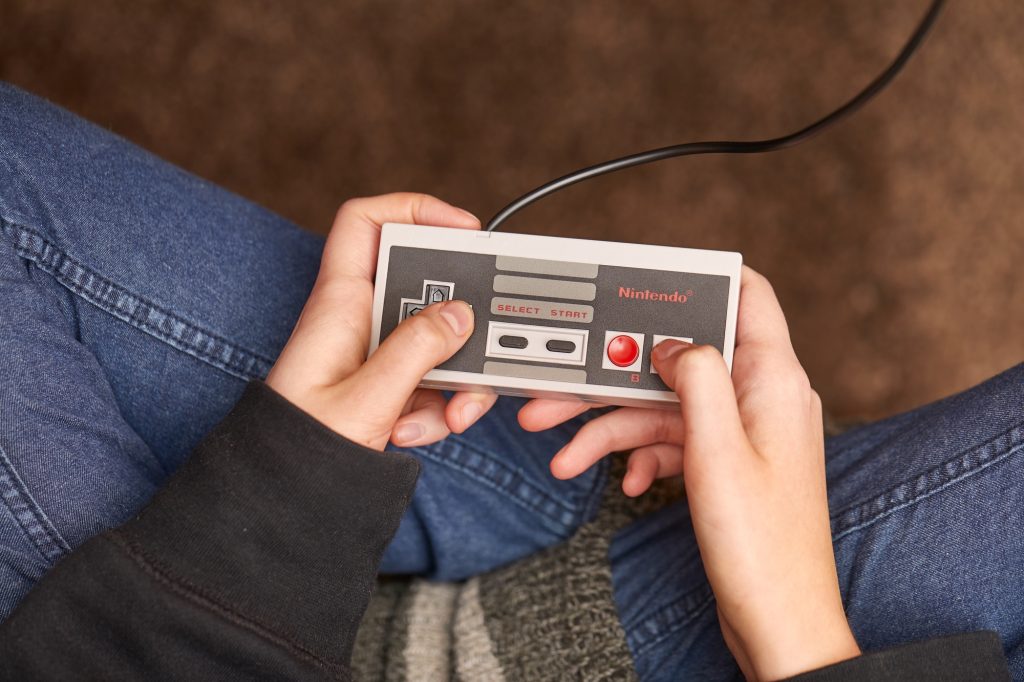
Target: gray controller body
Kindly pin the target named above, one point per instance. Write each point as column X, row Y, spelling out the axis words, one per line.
column 558, row 317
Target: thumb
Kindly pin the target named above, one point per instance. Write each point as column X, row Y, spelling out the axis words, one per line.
column 418, row 344
column 699, row 376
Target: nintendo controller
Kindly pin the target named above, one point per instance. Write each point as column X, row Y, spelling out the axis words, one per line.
column 558, row 317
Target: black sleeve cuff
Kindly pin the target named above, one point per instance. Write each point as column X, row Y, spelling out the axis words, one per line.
column 970, row 656
column 279, row 521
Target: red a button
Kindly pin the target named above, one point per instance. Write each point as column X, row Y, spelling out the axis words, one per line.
column 623, row 350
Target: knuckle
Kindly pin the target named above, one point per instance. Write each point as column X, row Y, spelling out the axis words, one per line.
column 794, row 382
column 801, row 382
column 598, row 430
column 816, row 404
column 663, row 427
column 758, row 281
column 417, row 199
column 755, row 277
column 338, row 287
column 347, row 207
column 414, row 201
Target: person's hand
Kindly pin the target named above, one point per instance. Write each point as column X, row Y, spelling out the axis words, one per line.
column 751, row 452
column 323, row 368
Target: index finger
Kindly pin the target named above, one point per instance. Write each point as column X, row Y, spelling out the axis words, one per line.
column 351, row 249
column 766, row 375
column 761, row 325
column 541, row 414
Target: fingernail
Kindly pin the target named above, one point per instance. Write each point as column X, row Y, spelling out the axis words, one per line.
column 669, row 348
column 458, row 315
column 467, row 213
column 470, row 413
column 555, row 461
column 408, row 433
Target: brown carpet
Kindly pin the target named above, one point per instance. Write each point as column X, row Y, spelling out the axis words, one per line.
column 895, row 243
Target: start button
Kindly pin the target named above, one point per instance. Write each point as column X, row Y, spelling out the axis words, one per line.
column 623, row 350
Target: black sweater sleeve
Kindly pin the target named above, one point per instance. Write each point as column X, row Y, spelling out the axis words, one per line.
column 256, row 561
column 969, row 656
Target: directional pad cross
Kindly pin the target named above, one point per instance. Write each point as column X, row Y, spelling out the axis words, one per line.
column 433, row 292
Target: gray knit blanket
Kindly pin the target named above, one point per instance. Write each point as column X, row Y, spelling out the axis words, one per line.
column 550, row 616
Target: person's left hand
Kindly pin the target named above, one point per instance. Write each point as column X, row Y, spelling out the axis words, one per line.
column 321, row 369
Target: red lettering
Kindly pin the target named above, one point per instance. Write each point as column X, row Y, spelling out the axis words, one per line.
column 648, row 295
column 517, row 309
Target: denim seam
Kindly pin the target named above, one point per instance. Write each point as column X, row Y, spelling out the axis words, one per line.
column 668, row 620
column 144, row 315
column 457, row 454
column 30, row 516
column 930, row 483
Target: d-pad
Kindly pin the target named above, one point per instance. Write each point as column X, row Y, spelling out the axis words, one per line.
column 433, row 292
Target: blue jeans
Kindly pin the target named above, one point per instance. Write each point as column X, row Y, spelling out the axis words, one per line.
column 137, row 300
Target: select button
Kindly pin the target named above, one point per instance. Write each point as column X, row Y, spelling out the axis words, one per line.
column 509, row 341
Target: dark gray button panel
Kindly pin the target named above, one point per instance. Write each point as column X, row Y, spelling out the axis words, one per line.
column 548, row 302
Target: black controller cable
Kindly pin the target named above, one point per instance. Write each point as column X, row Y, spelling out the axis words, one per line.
column 732, row 147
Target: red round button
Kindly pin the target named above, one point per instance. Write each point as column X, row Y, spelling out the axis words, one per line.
column 623, row 351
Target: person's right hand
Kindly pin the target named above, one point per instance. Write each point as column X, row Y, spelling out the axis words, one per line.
column 751, row 451
column 323, row 368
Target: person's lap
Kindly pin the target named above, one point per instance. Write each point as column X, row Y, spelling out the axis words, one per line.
column 136, row 300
